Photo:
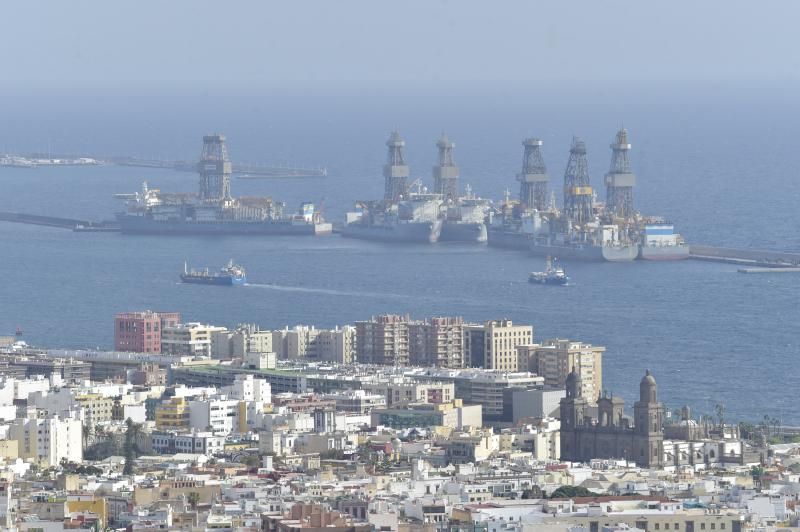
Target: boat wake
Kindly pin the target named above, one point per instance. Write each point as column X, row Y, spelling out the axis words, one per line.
column 310, row 290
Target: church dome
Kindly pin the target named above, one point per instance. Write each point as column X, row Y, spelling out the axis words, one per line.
column 573, row 384
column 648, row 388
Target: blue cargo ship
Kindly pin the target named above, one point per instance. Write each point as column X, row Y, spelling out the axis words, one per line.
column 230, row 275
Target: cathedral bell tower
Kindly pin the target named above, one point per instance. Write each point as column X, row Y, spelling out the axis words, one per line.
column 648, row 418
column 573, row 409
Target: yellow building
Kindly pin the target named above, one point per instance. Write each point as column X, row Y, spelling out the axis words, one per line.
column 173, row 415
column 9, row 450
column 89, row 503
column 500, row 344
column 98, row 409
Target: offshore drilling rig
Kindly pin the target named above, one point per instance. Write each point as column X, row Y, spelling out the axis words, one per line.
column 212, row 210
column 395, row 171
column 214, row 168
column 533, row 178
column 583, row 228
column 577, row 188
column 445, row 174
column 620, row 180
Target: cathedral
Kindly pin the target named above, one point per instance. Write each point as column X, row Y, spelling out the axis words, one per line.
column 610, row 434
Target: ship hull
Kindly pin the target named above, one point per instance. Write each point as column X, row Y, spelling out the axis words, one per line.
column 664, row 252
column 553, row 282
column 413, row 232
column 213, row 280
column 463, row 232
column 586, row 252
column 508, row 240
column 620, row 253
column 143, row 225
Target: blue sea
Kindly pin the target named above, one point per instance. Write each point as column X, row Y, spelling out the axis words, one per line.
column 720, row 161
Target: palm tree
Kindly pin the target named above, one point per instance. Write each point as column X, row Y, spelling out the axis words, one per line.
column 720, row 410
column 85, row 431
column 130, row 448
column 193, row 499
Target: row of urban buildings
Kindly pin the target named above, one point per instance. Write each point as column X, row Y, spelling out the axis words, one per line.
column 395, row 340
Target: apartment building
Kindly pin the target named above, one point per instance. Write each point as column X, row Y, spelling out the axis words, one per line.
column 173, row 414
column 493, row 345
column 437, row 342
column 383, row 340
column 188, row 339
column 140, row 332
column 48, row 440
column 554, row 359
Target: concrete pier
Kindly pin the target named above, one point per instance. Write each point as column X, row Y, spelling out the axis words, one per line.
column 769, row 270
column 745, row 257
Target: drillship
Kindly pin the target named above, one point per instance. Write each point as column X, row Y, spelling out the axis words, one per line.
column 214, row 211
column 583, row 229
column 464, row 217
column 401, row 216
column 230, row 275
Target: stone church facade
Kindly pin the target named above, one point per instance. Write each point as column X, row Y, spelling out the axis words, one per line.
column 610, row 434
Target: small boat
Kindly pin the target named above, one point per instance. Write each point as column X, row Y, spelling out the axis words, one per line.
column 230, row 275
column 553, row 274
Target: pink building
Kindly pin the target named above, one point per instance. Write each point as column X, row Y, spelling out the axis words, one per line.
column 140, row 332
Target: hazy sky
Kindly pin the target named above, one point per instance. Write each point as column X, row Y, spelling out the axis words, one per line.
column 430, row 40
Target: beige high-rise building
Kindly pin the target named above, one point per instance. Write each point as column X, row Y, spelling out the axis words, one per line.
column 554, row 359
column 337, row 345
column 246, row 338
column 437, row 342
column 500, row 341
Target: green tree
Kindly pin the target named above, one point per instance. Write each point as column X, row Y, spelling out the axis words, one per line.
column 747, row 430
column 757, row 472
column 193, row 499
column 130, row 450
column 720, row 410
column 85, row 432
column 252, row 461
column 569, row 492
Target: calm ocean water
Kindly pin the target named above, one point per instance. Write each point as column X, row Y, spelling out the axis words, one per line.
column 721, row 163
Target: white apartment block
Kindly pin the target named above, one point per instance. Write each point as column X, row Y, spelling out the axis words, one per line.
column 248, row 388
column 217, row 414
column 48, row 440
column 188, row 339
